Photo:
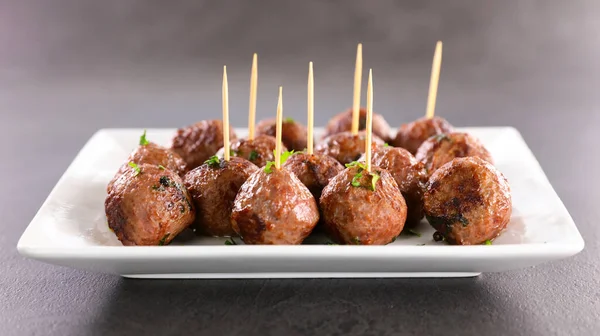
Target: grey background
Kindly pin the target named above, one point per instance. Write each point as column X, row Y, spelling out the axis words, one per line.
column 68, row 68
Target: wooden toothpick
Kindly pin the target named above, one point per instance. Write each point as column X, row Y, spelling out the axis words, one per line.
column 369, row 120
column 225, row 115
column 433, row 82
column 278, row 131
column 253, row 90
column 357, row 84
column 311, row 108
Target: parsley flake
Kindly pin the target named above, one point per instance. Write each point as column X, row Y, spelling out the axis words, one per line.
column 488, row 242
column 356, row 179
column 253, row 155
column 213, row 161
column 230, row 241
column 161, row 167
column 413, row 232
column 386, row 145
column 268, row 167
column 136, row 168
column 374, row 179
column 164, row 239
column 356, row 240
column 143, row 140
column 284, row 156
column 289, row 120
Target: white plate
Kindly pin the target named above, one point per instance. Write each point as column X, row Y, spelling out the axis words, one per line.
column 70, row 229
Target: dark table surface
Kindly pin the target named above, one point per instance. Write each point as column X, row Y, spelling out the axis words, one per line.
column 69, row 68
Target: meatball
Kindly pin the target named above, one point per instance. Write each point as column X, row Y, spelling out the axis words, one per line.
column 314, row 171
column 468, row 201
column 258, row 150
column 293, row 134
column 354, row 213
column 345, row 147
column 274, row 208
column 443, row 148
column 410, row 136
column 148, row 205
column 342, row 122
column 410, row 175
column 213, row 187
column 152, row 153
column 198, row 142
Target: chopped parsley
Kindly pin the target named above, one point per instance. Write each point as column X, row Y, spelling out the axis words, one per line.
column 356, row 240
column 165, row 181
column 230, row 241
column 413, row 232
column 253, row 155
column 136, row 168
column 488, row 242
column 356, row 179
column 284, row 156
column 143, row 140
column 386, row 145
column 164, row 239
column 232, row 152
column 213, row 161
column 161, row 167
column 289, row 120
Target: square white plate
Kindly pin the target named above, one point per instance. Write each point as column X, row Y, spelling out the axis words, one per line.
column 70, row 228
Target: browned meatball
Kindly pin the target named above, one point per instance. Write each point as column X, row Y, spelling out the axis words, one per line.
column 345, row 147
column 258, row 150
column 293, row 134
column 354, row 213
column 410, row 136
column 443, row 148
column 198, row 142
column 342, row 122
column 468, row 201
column 314, row 171
column 213, row 187
column 148, row 205
column 274, row 208
column 410, row 176
column 152, row 153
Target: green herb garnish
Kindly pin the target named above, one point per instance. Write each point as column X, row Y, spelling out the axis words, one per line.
column 143, row 140
column 356, row 240
column 488, row 242
column 288, row 120
column 213, row 161
column 356, row 179
column 166, row 182
column 164, row 239
column 386, row 145
column 284, row 156
column 413, row 232
column 253, row 155
column 232, row 152
column 161, row 167
column 136, row 168
column 230, row 241
column 374, row 179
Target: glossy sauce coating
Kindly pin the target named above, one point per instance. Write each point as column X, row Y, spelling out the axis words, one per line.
column 441, row 149
column 258, row 150
column 148, row 208
column 213, row 188
column 293, row 134
column 314, row 171
column 274, row 208
column 345, row 147
column 154, row 154
column 410, row 136
column 410, row 176
column 342, row 122
column 359, row 215
column 198, row 142
column 468, row 201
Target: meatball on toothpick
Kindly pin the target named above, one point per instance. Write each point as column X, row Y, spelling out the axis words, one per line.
column 273, row 206
column 215, row 184
column 410, row 136
column 363, row 204
column 354, row 119
column 257, row 149
column 314, row 170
